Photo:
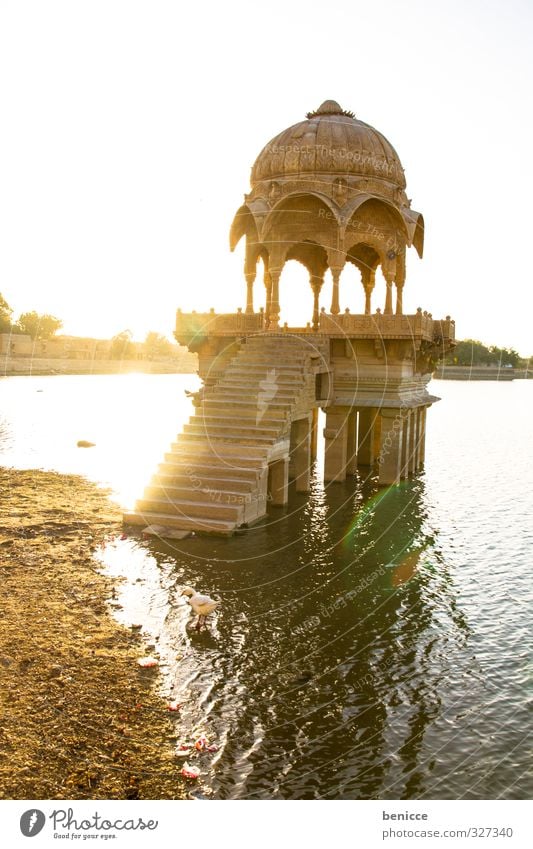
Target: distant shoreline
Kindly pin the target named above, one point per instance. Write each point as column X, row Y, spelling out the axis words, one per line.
column 35, row 366
column 447, row 372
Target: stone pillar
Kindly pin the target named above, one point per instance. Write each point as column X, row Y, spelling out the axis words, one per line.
column 301, row 453
column 268, row 304
column 336, row 437
column 421, row 437
column 275, row 274
column 351, row 444
column 390, row 454
column 365, row 448
column 335, row 308
column 369, row 279
column 278, row 482
column 314, row 434
column 377, row 433
column 413, row 442
column 388, row 296
column 316, row 285
column 400, row 280
column 399, row 299
column 407, row 423
column 250, row 277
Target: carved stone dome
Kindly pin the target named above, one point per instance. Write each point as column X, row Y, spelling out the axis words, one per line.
column 330, row 141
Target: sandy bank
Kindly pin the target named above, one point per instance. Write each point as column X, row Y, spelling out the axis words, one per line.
column 79, row 719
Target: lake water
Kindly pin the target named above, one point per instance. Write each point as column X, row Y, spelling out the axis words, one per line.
column 371, row 643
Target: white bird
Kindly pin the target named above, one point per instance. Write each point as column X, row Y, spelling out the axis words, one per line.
column 202, row 605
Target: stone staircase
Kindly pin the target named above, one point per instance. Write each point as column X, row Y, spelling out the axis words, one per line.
column 215, row 476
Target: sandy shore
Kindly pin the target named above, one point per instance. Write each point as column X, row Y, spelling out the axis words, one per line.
column 79, row 719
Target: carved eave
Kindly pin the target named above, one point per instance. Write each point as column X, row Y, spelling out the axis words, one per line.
column 247, row 222
column 414, row 222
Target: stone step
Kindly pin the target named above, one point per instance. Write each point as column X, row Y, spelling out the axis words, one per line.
column 218, row 441
column 277, row 378
column 187, row 509
column 244, row 389
column 229, row 418
column 204, row 526
column 244, row 407
column 196, row 470
column 227, row 460
column 264, row 369
column 220, row 428
column 218, row 447
column 194, row 480
column 205, row 495
column 281, row 360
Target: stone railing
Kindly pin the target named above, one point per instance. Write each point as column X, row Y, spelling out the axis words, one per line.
column 420, row 325
column 198, row 325
column 194, row 327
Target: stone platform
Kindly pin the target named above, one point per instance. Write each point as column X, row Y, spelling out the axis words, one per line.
column 255, row 425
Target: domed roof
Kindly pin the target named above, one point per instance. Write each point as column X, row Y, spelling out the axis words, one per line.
column 331, row 141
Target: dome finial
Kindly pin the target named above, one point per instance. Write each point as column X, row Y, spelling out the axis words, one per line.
column 330, row 107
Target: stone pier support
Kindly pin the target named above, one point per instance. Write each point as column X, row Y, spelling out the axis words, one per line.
column 336, row 438
column 412, row 443
column 421, row 437
column 408, row 418
column 351, row 444
column 314, row 434
column 390, row 455
column 300, row 452
column 278, row 482
column 367, row 424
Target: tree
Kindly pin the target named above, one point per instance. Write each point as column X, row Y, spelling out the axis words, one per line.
column 5, row 315
column 122, row 347
column 156, row 345
column 39, row 326
column 505, row 356
column 470, row 352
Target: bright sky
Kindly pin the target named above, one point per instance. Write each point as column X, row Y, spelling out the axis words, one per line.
column 129, row 129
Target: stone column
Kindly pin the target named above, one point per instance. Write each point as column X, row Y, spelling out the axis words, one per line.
column 250, row 277
column 400, row 280
column 335, row 308
column 407, row 422
column 316, row 285
column 365, row 448
column 390, row 454
column 421, row 437
column 268, row 305
column 413, row 442
column 377, row 433
column 275, row 274
column 301, row 453
column 314, row 434
column 351, row 444
column 399, row 299
column 336, row 437
column 278, row 482
column 368, row 277
column 388, row 296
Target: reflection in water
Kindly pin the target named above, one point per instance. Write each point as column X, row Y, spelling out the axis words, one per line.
column 371, row 643
column 321, row 672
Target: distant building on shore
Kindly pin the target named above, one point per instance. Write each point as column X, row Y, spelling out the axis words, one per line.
column 76, row 348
